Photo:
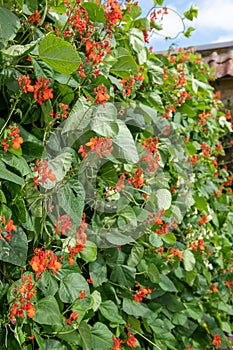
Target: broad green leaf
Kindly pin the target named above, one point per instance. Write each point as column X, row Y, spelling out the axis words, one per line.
column 127, row 219
column 86, row 336
column 29, row 7
column 104, row 120
column 155, row 100
column 164, row 198
column 47, row 312
column 70, row 287
column 125, row 65
column 169, row 238
column 52, row 344
column 124, row 145
column 167, row 284
column 191, row 13
column 101, row 337
column 123, row 275
column 155, row 240
column 59, row 54
column 17, row 162
column 18, row 50
column 153, row 273
column 98, row 271
column 136, row 40
column 190, row 148
column 188, row 260
column 42, row 69
column 8, row 175
column 48, row 284
column 89, row 253
column 155, row 72
column 110, row 311
column 95, row 12
column 133, row 308
column 194, row 310
column 200, row 203
column 136, row 255
column 95, row 300
column 15, row 251
column 9, row 24
column 79, row 117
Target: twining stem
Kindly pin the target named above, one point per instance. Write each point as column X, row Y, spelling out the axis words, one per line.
column 148, row 340
column 10, row 115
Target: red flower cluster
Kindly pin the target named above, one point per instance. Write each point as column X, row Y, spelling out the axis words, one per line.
column 73, row 317
column 214, row 288
column 12, row 138
column 44, row 173
column 95, row 51
column 82, row 295
column 176, row 252
column 205, row 150
column 199, row 245
column 117, row 343
column 35, row 18
column 99, row 145
column 78, row 21
column 101, row 94
column 127, row 84
column 131, row 340
column 63, row 224
column 41, row 90
column 80, row 242
column 203, row 220
column 62, row 111
column 9, row 227
column 137, row 180
column 141, row 293
column 44, row 259
column 217, row 341
column 113, row 13
column 22, row 295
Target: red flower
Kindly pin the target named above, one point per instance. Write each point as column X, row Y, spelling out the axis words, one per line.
column 117, row 343
column 131, row 341
column 217, row 341
column 101, row 94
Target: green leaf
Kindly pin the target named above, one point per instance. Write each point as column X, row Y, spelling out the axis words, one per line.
column 95, row 12
column 188, row 32
column 70, row 287
column 95, row 300
column 191, row 13
column 42, row 69
column 136, row 40
column 153, row 273
column 47, row 312
column 51, row 344
column 104, row 120
column 169, row 238
column 18, row 50
column 155, row 100
column 125, row 65
column 98, row 271
column 8, row 175
column 133, row 308
column 123, row 275
column 136, row 255
column 188, row 260
column 155, row 240
column 17, row 162
column 79, row 117
column 164, row 198
column 167, row 284
column 59, row 54
column 48, row 284
column 89, row 253
column 86, row 336
column 15, row 251
column 110, row 311
column 102, row 337
column 201, row 203
column 190, row 148
column 194, row 310
column 127, row 219
column 155, row 72
column 126, row 148
column 9, row 24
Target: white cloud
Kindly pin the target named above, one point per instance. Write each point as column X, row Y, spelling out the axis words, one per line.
column 224, row 38
column 215, row 14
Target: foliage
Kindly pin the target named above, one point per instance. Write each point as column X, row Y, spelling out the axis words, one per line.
column 116, row 205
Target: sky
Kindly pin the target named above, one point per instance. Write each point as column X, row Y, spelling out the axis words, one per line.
column 213, row 25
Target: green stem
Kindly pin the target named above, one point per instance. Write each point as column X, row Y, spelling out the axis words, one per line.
column 10, row 115
column 149, row 341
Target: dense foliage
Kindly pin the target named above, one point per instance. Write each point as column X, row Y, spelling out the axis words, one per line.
column 116, row 205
